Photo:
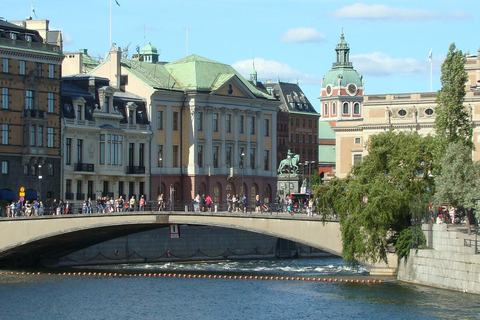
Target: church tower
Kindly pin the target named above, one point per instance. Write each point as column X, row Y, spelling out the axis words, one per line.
column 342, row 88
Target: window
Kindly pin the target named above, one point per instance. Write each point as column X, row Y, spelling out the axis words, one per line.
column 266, row 160
column 33, row 135
column 50, row 169
column 215, row 156
column 228, row 156
column 175, row 121
column 252, row 125
column 310, row 138
column 22, row 67
column 141, row 155
column 356, row 108
column 5, row 65
column 309, row 123
column 29, row 99
column 79, row 151
column 229, row 123
column 357, row 158
column 252, row 158
column 50, row 102
column 291, row 136
column 303, row 121
column 50, row 135
column 159, row 119
column 357, row 140
column 200, row 156
column 5, row 132
column 241, row 153
column 160, row 155
column 114, row 149
column 5, row 98
column 291, row 122
column 215, row 122
column 68, row 187
column 38, row 70
column 267, row 128
column 304, row 140
column 297, row 122
column 40, row 136
column 175, row 154
column 241, row 124
column 297, row 137
column 334, row 109
column 200, row 121
column 79, row 112
column 102, row 149
column 4, row 167
column 68, row 151
column 131, row 154
column 345, row 108
column 51, row 71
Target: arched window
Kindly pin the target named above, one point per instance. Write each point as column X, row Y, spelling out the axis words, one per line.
column 325, row 109
column 345, row 108
column 217, row 193
column 266, row 194
column 334, row 109
column 356, row 108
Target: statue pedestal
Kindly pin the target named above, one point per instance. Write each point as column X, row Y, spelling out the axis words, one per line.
column 288, row 183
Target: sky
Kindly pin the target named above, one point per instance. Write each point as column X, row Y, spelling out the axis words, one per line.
column 291, row 40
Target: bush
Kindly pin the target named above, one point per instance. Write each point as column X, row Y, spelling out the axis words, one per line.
column 409, row 238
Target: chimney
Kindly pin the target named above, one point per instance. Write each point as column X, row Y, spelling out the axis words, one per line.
column 115, row 68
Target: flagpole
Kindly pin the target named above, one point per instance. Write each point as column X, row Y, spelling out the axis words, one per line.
column 110, row 44
column 431, row 75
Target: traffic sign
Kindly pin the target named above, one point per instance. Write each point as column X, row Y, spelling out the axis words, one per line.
column 22, row 194
column 22, row 189
column 22, row 199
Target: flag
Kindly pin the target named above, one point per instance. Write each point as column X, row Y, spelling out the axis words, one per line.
column 118, row 4
column 430, row 56
column 33, row 12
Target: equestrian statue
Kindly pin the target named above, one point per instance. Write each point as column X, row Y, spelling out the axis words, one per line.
column 289, row 165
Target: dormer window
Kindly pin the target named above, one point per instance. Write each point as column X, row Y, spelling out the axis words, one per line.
column 131, row 112
column 106, row 97
column 79, row 108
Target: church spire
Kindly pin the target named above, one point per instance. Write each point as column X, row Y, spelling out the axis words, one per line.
column 253, row 74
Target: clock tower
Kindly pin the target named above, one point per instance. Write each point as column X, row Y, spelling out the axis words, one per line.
column 342, row 88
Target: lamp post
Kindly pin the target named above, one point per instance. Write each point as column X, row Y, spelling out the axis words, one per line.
column 39, row 196
column 243, row 172
column 289, row 157
column 160, row 166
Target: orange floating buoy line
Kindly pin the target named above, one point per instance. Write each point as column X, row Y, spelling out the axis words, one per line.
column 193, row 276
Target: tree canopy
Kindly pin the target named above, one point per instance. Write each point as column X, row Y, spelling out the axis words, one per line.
column 374, row 201
column 452, row 120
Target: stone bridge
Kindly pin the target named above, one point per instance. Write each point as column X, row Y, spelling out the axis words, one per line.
column 29, row 240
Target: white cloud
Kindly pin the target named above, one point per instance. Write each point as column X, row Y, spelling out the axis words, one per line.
column 269, row 69
column 380, row 11
column 379, row 64
column 302, row 35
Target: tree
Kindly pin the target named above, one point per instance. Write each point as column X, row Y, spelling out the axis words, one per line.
column 374, row 201
column 459, row 181
column 452, row 122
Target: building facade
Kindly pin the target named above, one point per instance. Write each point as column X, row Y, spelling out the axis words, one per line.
column 297, row 125
column 105, row 141
column 213, row 132
column 30, row 154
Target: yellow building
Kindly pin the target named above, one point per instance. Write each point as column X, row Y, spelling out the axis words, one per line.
column 30, row 115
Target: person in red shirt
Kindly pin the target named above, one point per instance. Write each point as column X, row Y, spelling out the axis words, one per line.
column 208, row 202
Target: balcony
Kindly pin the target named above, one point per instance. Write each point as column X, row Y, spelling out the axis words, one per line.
column 135, row 170
column 68, row 196
column 33, row 113
column 80, row 196
column 89, row 167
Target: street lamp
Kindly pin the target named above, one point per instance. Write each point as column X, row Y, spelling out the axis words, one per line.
column 39, row 196
column 243, row 172
column 160, row 166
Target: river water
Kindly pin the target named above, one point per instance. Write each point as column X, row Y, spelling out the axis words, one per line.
column 219, row 290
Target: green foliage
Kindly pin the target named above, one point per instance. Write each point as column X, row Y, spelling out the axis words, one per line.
column 409, row 238
column 459, row 182
column 374, row 201
column 452, row 121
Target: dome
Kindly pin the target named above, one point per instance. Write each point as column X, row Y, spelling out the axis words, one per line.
column 149, row 49
column 346, row 76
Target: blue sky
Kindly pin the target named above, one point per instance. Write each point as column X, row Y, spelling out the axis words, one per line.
column 291, row 40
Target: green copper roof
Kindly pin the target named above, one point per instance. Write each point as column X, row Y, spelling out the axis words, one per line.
column 149, row 49
column 326, row 154
column 325, row 131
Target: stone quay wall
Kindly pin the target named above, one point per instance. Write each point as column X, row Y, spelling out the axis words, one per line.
column 449, row 262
